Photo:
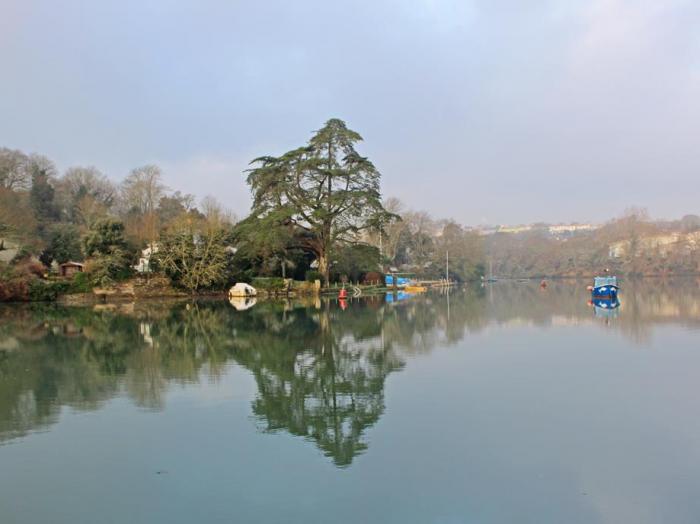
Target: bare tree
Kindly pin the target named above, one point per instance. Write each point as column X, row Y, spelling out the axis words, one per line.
column 14, row 173
column 16, row 216
column 141, row 192
column 392, row 231
column 78, row 182
column 216, row 213
column 423, row 229
column 142, row 189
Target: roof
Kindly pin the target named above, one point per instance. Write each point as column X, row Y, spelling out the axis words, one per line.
column 74, row 264
column 604, row 281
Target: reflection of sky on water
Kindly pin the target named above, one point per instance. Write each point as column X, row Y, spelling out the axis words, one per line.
column 497, row 405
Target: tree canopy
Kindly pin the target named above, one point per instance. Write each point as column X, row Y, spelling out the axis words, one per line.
column 326, row 190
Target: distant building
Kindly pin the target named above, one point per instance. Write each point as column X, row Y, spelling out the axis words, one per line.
column 618, row 249
column 558, row 230
column 571, row 228
column 486, row 230
column 144, row 263
column 514, row 229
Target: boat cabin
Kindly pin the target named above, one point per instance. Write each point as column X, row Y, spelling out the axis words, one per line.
column 604, row 281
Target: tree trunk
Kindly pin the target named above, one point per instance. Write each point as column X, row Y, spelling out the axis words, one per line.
column 323, row 268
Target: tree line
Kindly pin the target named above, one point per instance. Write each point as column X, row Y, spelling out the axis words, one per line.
column 317, row 213
column 631, row 245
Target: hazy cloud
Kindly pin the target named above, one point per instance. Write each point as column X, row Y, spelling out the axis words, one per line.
column 499, row 110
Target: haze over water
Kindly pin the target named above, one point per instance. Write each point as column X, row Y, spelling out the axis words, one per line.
column 500, row 404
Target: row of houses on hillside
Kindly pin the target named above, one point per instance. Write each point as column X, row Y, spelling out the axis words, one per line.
column 557, row 230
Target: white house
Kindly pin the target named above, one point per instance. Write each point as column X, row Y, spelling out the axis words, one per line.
column 144, row 263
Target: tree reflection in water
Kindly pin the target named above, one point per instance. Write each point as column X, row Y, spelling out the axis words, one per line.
column 320, row 371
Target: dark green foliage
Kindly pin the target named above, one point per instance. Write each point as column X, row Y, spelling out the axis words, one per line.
column 265, row 236
column 63, row 244
column 104, row 237
column 312, row 275
column 80, row 283
column 41, row 197
column 110, row 255
column 351, row 262
column 268, row 283
column 104, row 270
column 266, row 247
column 46, row 291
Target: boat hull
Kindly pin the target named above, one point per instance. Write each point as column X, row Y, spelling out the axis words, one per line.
column 608, row 292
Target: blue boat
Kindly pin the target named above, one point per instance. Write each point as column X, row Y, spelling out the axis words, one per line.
column 605, row 288
column 400, row 281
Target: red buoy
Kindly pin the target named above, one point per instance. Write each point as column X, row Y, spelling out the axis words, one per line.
column 343, row 293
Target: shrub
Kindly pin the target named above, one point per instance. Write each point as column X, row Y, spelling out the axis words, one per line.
column 110, row 255
column 104, row 270
column 80, row 283
column 30, row 267
column 13, row 286
column 272, row 283
column 63, row 244
column 194, row 260
column 313, row 275
column 46, row 291
column 373, row 277
column 20, row 282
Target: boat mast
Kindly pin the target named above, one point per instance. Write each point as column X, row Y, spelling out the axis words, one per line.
column 447, row 265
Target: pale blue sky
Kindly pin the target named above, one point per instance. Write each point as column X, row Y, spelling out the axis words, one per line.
column 496, row 111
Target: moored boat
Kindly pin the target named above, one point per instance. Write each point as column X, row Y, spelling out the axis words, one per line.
column 605, row 288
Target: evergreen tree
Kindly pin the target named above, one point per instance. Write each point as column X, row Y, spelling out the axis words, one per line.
column 325, row 189
column 42, row 200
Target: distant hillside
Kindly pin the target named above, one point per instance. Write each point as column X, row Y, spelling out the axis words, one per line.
column 631, row 245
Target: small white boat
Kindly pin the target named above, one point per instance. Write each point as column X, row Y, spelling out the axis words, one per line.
column 242, row 290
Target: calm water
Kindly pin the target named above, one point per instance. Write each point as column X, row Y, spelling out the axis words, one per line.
column 504, row 404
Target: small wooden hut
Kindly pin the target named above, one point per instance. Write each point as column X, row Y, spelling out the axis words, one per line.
column 68, row 269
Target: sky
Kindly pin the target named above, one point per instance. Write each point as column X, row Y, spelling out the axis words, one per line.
column 489, row 112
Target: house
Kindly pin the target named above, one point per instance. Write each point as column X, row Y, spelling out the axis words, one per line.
column 514, row 229
column 144, row 263
column 618, row 249
column 68, row 269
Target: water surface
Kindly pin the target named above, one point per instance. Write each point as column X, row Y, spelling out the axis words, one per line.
column 500, row 404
